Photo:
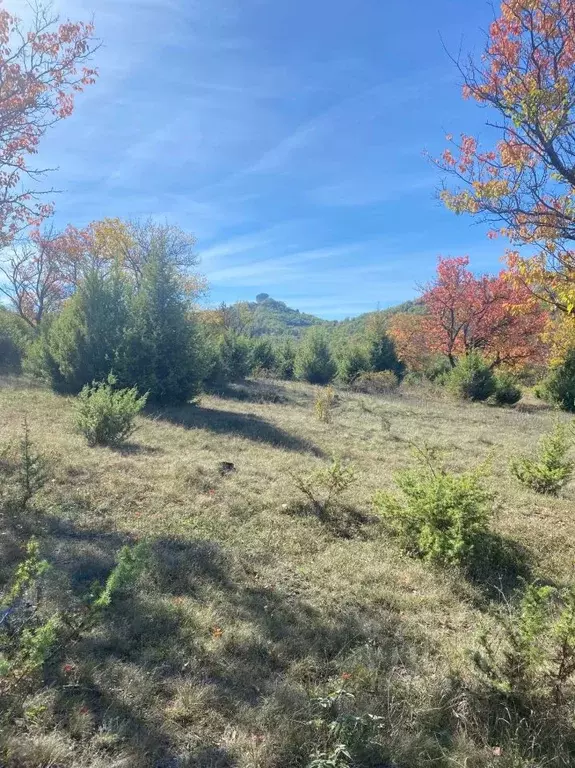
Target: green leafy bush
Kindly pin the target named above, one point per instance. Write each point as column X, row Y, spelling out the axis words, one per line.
column 314, row 362
column 376, row 383
column 346, row 737
column 507, row 390
column 15, row 336
column 353, row 360
column 550, row 469
column 471, row 379
column 262, row 356
column 83, row 342
column 559, row 387
column 105, row 415
column 438, row 516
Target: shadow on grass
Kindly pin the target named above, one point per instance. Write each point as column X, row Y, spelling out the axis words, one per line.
column 124, row 677
column 135, row 449
column 231, row 423
column 254, row 392
column 500, row 567
column 343, row 520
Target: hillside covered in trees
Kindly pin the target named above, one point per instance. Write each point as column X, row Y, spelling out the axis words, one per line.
column 269, row 317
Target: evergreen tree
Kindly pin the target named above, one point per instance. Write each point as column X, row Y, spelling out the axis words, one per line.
column 284, row 353
column 82, row 343
column 262, row 357
column 380, row 348
column 160, row 350
column 234, row 351
column 314, row 362
column 353, row 359
column 15, row 336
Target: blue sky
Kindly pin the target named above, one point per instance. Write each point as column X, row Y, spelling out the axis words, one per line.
column 287, row 135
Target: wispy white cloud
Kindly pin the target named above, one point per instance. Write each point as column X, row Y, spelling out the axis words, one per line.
column 234, row 247
column 362, row 192
column 283, row 268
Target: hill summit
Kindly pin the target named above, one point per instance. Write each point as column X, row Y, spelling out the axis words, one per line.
column 269, row 317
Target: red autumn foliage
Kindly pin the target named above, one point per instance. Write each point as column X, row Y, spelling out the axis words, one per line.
column 523, row 185
column 494, row 315
column 42, row 66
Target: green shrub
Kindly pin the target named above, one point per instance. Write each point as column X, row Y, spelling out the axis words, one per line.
column 507, row 390
column 376, row 383
column 550, row 469
column 471, row 379
column 437, row 368
column 314, row 362
column 438, row 516
column 234, row 351
column 31, row 633
column 262, row 357
column 22, row 476
column 15, row 336
column 104, row 415
column 381, row 351
column 559, row 387
column 347, row 738
column 530, row 656
column 284, row 353
column 83, row 342
column 353, row 360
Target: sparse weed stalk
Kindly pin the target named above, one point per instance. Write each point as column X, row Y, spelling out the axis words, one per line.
column 325, row 487
column 438, row 515
column 324, row 404
column 550, row 469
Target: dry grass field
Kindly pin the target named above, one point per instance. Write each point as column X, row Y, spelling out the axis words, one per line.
column 251, row 610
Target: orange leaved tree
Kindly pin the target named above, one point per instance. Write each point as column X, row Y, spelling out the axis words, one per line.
column 494, row 315
column 523, row 184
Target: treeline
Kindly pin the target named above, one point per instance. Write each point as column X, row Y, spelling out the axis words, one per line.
column 138, row 320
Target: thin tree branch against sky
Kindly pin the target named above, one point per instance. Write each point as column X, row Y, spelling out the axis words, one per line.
column 274, row 132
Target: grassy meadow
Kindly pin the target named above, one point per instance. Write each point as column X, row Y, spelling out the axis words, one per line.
column 252, row 612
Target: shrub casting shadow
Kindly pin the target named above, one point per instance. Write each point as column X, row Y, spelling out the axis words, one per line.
column 241, row 424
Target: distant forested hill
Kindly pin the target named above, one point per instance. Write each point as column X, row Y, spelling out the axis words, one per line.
column 269, row 317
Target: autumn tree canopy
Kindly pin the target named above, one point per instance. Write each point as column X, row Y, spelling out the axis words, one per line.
column 493, row 315
column 43, row 65
column 38, row 272
column 524, row 184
